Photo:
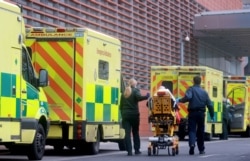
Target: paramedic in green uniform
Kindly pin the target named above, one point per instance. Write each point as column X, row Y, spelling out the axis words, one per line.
column 131, row 116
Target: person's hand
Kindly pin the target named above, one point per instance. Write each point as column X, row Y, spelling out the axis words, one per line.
column 212, row 119
column 148, row 95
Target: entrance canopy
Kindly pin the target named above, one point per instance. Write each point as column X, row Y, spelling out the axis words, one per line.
column 226, row 30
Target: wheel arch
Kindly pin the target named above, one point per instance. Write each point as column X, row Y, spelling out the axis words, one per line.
column 45, row 123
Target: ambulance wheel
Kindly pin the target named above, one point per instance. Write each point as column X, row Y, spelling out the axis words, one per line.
column 94, row 146
column 149, row 151
column 37, row 148
column 173, row 152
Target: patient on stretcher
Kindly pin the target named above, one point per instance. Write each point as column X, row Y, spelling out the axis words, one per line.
column 162, row 91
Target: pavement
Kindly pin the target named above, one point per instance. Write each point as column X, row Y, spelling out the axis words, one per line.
column 144, row 144
column 113, row 146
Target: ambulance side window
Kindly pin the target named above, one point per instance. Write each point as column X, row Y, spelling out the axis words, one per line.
column 103, row 70
column 27, row 69
column 25, row 66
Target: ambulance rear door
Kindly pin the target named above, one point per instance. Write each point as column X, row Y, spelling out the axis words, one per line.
column 57, row 55
column 185, row 80
column 238, row 99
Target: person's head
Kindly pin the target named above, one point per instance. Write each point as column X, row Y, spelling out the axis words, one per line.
column 131, row 83
column 197, row 80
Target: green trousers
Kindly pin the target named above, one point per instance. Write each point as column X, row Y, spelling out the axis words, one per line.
column 131, row 124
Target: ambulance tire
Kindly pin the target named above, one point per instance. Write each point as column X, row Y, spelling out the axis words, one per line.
column 37, row 148
column 94, row 146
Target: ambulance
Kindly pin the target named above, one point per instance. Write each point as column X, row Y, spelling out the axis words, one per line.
column 236, row 90
column 24, row 111
column 84, row 86
column 178, row 79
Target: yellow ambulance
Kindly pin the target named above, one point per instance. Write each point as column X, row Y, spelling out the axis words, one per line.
column 178, row 79
column 24, row 111
column 236, row 90
column 85, row 80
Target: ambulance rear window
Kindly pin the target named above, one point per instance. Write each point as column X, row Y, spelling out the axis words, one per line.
column 103, row 70
column 168, row 85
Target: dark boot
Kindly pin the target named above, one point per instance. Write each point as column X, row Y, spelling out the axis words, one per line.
column 191, row 150
column 137, row 152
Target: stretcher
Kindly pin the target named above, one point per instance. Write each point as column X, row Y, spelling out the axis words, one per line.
column 163, row 119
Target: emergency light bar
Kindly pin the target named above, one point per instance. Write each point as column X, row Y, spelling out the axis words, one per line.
column 52, row 30
column 235, row 77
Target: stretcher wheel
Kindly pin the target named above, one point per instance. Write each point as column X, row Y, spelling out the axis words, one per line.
column 154, row 150
column 149, row 151
column 173, row 152
column 177, row 150
column 168, row 150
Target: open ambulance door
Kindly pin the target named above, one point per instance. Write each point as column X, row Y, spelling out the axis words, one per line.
column 239, row 111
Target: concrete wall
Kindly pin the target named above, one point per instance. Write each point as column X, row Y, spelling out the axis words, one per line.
column 218, row 59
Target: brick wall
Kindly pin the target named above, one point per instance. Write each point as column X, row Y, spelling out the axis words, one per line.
column 144, row 125
column 216, row 5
